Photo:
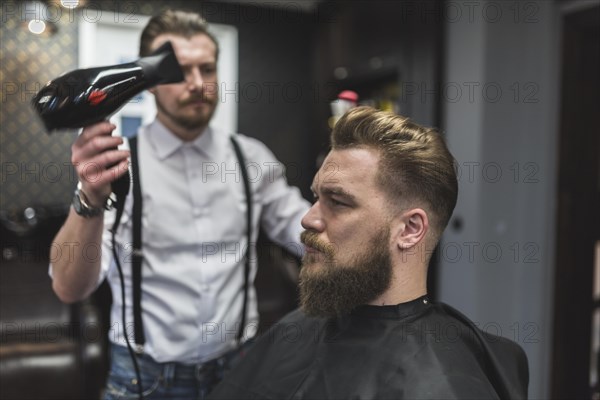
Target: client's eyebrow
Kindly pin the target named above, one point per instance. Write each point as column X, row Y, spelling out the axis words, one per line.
column 339, row 192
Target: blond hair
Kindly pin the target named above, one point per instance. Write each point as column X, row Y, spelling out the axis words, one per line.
column 177, row 22
column 416, row 166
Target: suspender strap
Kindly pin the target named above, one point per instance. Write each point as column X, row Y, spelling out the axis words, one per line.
column 137, row 257
column 120, row 188
column 120, row 205
column 242, row 162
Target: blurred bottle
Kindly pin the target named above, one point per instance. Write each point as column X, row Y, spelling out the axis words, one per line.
column 345, row 101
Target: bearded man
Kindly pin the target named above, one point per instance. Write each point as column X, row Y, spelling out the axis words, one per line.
column 366, row 329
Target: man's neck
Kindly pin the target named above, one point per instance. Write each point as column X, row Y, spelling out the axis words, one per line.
column 399, row 296
column 409, row 282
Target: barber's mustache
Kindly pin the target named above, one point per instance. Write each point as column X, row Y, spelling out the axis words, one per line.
column 204, row 98
column 311, row 239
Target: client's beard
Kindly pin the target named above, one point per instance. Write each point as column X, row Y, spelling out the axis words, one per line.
column 332, row 289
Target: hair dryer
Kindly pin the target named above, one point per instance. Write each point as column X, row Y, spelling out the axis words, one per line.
column 85, row 96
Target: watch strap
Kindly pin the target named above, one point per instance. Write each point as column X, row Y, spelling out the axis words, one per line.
column 82, row 205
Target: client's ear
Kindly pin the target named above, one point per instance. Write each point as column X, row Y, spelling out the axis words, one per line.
column 411, row 227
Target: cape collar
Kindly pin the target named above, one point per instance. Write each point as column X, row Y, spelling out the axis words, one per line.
column 397, row 311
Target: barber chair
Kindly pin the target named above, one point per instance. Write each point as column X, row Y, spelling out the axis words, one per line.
column 48, row 350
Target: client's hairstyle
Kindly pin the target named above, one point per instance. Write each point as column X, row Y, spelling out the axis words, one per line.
column 415, row 165
column 177, row 22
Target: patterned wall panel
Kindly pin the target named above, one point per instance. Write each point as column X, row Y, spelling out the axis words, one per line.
column 35, row 167
column 36, row 170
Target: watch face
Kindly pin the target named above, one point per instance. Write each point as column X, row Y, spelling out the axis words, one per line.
column 81, row 209
column 77, row 204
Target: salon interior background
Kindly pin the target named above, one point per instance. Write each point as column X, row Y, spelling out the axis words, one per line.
column 512, row 84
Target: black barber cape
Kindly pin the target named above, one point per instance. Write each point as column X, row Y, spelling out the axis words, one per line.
column 415, row 350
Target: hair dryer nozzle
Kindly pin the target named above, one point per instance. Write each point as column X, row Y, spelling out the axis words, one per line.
column 162, row 66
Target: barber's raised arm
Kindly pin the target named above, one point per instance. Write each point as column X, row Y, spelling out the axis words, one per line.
column 97, row 163
column 283, row 205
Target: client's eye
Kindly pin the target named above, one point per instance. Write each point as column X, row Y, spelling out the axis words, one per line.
column 336, row 202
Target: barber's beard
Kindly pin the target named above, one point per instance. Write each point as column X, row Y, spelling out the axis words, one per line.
column 199, row 119
column 333, row 289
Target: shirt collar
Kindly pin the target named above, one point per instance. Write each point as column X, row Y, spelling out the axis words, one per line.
column 165, row 143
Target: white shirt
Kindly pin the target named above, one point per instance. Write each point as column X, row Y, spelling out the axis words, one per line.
column 194, row 241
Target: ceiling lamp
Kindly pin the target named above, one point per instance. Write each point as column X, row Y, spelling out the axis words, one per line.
column 39, row 19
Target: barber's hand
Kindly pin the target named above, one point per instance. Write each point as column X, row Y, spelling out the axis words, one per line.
column 97, row 161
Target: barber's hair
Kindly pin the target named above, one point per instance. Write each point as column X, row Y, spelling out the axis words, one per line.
column 176, row 22
column 415, row 167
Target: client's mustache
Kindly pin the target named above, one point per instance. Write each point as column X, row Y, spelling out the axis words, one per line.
column 311, row 239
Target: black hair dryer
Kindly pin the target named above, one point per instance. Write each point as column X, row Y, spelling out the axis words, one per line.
column 85, row 96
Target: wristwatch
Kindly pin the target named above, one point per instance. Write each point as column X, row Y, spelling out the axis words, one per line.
column 82, row 207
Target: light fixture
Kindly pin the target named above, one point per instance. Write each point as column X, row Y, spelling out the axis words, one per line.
column 39, row 19
column 36, row 26
column 69, row 3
